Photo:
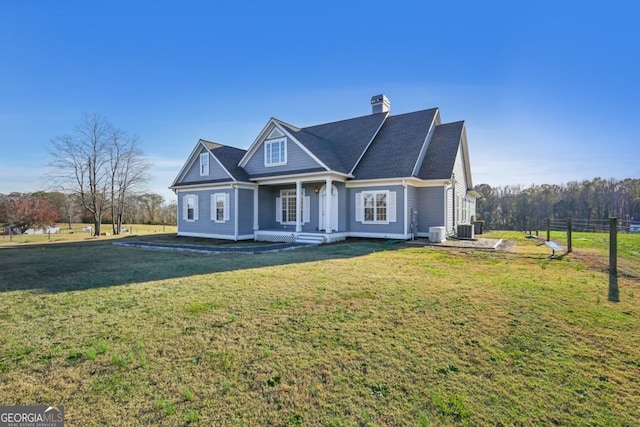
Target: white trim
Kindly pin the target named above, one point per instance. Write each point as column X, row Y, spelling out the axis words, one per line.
column 214, row 207
column 305, row 177
column 201, row 164
column 378, row 235
column 266, row 148
column 414, row 182
column 192, row 159
column 185, row 207
column 275, row 133
column 214, row 186
column 329, row 208
column 280, row 125
column 406, row 208
column 390, row 207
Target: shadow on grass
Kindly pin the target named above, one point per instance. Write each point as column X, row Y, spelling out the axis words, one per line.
column 85, row 265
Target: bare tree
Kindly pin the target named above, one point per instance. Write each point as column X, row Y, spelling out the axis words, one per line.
column 128, row 174
column 99, row 164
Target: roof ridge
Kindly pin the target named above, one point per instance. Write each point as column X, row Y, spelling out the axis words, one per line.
column 452, row 123
column 343, row 120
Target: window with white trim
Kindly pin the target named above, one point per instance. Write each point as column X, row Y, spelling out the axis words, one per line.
column 220, row 207
column 190, row 207
column 204, row 164
column 275, row 152
column 376, row 207
column 286, row 207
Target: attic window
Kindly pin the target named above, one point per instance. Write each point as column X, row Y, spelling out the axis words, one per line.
column 204, row 164
column 275, row 152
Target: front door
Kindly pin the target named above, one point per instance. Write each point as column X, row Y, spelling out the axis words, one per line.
column 328, row 221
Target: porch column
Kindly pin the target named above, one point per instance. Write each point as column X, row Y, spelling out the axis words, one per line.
column 298, row 206
column 327, row 206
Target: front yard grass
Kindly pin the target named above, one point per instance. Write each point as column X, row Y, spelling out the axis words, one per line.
column 356, row 333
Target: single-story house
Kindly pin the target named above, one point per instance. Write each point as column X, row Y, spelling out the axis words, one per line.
column 379, row 176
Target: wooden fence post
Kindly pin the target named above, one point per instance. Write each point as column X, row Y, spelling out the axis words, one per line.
column 537, row 226
column 548, row 229
column 613, row 245
column 569, row 231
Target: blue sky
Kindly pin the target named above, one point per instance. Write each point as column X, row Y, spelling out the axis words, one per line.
column 550, row 91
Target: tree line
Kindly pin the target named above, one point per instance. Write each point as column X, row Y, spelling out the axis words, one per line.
column 22, row 211
column 506, row 207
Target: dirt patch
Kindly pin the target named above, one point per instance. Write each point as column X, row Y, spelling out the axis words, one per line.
column 481, row 243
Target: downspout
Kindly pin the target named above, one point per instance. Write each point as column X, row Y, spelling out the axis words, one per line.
column 235, row 211
column 406, row 204
column 455, row 220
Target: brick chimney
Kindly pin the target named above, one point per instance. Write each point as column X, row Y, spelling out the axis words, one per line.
column 380, row 104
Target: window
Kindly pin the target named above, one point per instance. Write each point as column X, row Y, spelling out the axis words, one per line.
column 376, row 207
column 190, row 207
column 288, row 198
column 204, row 164
column 275, row 152
column 286, row 207
column 220, row 207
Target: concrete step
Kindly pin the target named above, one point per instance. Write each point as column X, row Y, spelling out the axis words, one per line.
column 310, row 239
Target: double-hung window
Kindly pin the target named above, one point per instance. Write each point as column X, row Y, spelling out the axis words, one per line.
column 204, row 164
column 220, row 207
column 376, row 207
column 275, row 152
column 190, row 207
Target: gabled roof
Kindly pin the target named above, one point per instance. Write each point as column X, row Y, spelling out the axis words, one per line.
column 397, row 146
column 226, row 157
column 441, row 155
column 229, row 157
column 371, row 147
column 341, row 144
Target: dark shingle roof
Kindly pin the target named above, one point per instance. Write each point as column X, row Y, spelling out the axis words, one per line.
column 441, row 155
column 397, row 146
column 340, row 144
column 230, row 157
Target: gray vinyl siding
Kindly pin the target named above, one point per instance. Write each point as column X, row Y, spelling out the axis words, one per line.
column 450, row 211
column 430, row 208
column 215, row 171
column 391, row 228
column 461, row 192
column 297, row 160
column 204, row 224
column 245, row 211
column 412, row 204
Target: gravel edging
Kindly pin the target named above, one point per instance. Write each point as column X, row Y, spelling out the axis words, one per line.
column 277, row 247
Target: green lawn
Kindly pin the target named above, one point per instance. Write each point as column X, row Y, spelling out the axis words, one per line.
column 356, row 333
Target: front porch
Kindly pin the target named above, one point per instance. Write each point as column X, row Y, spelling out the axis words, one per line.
column 308, row 237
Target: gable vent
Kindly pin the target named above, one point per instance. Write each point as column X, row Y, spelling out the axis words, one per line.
column 275, row 133
column 380, row 104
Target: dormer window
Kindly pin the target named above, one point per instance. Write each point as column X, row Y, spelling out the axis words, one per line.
column 204, row 164
column 275, row 152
